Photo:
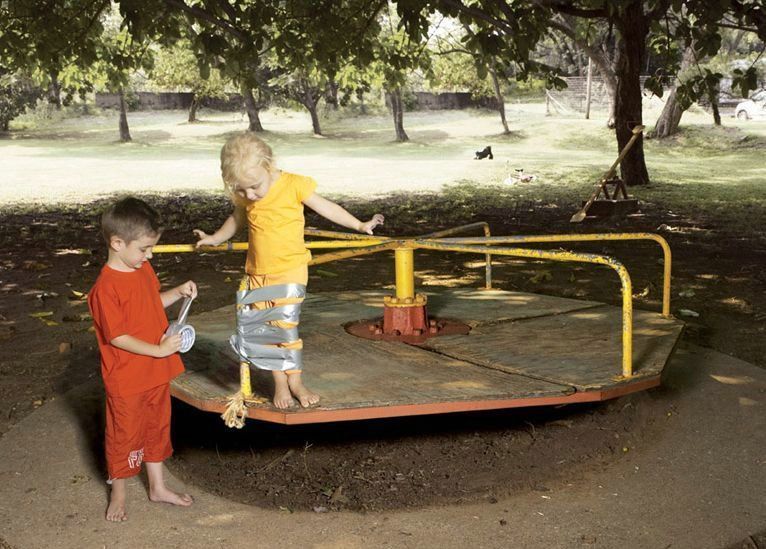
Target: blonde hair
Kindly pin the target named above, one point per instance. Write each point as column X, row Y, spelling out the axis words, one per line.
column 240, row 154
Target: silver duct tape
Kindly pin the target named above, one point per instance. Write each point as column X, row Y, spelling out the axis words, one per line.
column 271, row 293
column 264, row 334
column 284, row 313
column 267, row 357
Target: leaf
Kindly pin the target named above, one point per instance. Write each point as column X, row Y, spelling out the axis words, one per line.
column 541, row 276
column 79, row 295
column 322, row 272
column 32, row 265
column 41, row 314
column 642, row 293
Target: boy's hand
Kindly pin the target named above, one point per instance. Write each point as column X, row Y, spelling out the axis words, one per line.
column 204, row 239
column 187, row 289
column 169, row 345
column 368, row 226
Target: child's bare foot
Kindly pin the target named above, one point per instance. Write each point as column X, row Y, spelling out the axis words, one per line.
column 305, row 397
column 164, row 495
column 116, row 510
column 282, row 396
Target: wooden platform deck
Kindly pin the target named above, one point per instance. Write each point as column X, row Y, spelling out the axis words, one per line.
column 523, row 350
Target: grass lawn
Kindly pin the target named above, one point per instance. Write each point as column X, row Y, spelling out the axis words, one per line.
column 712, row 173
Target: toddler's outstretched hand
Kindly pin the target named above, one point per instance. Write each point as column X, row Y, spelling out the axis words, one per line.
column 368, row 226
column 204, row 239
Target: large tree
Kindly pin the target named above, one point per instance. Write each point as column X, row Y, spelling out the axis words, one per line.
column 55, row 40
column 511, row 28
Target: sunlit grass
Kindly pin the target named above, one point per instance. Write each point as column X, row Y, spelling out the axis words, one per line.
column 715, row 172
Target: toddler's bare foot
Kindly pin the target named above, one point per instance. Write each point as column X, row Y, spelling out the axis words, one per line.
column 305, row 397
column 116, row 510
column 282, row 396
column 164, row 495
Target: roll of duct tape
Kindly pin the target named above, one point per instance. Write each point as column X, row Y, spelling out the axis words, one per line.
column 188, row 335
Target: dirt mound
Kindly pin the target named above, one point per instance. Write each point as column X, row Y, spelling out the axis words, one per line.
column 408, row 462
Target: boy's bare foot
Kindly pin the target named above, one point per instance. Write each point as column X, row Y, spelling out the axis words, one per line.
column 305, row 397
column 282, row 396
column 164, row 495
column 116, row 510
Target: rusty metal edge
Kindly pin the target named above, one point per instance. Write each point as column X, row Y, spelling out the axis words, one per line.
column 301, row 417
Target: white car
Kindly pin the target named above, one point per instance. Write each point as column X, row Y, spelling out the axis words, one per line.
column 755, row 107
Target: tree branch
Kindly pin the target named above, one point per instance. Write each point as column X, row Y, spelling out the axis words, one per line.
column 205, row 16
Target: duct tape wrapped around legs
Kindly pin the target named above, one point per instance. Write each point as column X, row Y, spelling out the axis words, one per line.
column 256, row 339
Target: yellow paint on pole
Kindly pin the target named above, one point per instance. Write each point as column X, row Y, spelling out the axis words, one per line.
column 404, row 259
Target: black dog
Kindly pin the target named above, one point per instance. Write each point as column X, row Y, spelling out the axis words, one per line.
column 486, row 152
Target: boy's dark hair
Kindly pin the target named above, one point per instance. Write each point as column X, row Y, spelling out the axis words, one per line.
column 130, row 219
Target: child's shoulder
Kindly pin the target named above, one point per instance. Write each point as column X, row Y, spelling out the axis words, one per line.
column 303, row 184
column 110, row 279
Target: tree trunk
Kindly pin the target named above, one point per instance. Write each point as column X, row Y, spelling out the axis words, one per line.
column 124, row 130
column 251, row 107
column 312, row 108
column 670, row 117
column 331, row 94
column 309, row 98
column 193, row 109
column 499, row 96
column 397, row 110
column 628, row 114
column 54, row 90
column 360, row 96
column 713, row 98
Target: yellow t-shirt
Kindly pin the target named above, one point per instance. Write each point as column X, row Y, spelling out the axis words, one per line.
column 275, row 226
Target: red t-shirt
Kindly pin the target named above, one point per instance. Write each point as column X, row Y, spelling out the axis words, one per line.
column 128, row 303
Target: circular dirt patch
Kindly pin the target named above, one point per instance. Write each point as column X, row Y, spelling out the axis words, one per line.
column 406, row 462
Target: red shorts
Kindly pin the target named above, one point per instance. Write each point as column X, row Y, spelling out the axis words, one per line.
column 137, row 430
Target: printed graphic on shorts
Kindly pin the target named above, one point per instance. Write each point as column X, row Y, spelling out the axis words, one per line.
column 135, row 458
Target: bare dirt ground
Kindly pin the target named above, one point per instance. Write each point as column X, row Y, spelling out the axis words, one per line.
column 46, row 348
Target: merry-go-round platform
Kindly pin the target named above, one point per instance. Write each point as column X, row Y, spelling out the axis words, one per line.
column 373, row 355
column 522, row 350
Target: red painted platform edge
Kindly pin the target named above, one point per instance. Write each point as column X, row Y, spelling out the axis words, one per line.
column 319, row 415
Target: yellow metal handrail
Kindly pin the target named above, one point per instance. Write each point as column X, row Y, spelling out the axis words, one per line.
column 487, row 234
column 627, row 290
column 404, row 246
column 555, row 238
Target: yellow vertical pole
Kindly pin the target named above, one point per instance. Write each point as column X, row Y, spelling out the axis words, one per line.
column 627, row 320
column 488, row 266
column 405, row 273
column 245, row 386
column 244, row 380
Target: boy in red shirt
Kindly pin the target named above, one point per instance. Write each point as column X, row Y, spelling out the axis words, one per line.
column 137, row 361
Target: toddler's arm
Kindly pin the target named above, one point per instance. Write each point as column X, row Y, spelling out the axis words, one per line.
column 229, row 228
column 337, row 214
column 167, row 346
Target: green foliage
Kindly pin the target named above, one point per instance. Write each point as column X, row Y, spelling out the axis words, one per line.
column 15, row 95
column 457, row 72
column 176, row 67
column 746, row 80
